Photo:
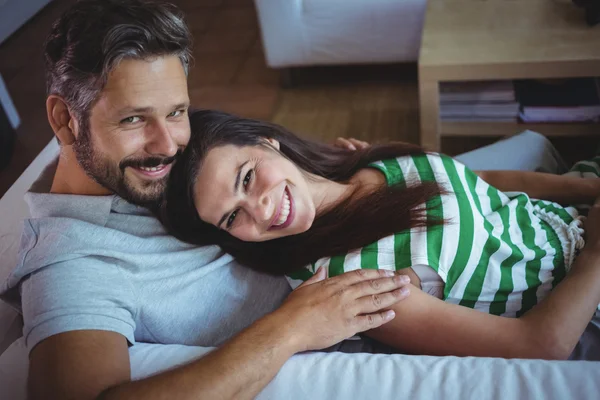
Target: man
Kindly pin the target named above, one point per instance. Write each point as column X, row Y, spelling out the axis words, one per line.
column 97, row 274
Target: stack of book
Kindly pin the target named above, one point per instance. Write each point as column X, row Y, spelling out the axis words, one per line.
column 565, row 100
column 478, row 101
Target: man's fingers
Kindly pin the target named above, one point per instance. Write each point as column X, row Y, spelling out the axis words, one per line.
column 380, row 285
column 344, row 144
column 359, row 144
column 317, row 277
column 371, row 321
column 376, row 302
column 360, row 275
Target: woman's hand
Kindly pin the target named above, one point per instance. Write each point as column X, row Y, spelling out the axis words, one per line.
column 322, row 312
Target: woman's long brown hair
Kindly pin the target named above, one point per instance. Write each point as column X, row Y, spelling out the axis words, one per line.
column 351, row 224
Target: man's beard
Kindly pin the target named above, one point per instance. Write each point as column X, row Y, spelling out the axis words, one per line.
column 147, row 193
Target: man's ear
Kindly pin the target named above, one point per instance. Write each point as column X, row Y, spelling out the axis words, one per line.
column 61, row 120
column 273, row 142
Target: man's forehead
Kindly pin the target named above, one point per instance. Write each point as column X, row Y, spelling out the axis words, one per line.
column 140, row 84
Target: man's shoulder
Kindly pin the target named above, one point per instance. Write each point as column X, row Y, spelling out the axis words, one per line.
column 48, row 206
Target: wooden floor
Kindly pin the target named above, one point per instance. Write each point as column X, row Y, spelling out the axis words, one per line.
column 375, row 103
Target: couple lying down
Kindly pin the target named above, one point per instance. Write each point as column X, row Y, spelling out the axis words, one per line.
column 492, row 255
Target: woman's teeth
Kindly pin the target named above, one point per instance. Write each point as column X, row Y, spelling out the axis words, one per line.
column 153, row 169
column 285, row 210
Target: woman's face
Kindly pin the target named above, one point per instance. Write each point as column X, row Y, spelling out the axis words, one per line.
column 254, row 193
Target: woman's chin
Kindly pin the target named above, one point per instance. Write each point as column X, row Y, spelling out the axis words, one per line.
column 303, row 225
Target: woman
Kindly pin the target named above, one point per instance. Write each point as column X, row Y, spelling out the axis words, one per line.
column 279, row 203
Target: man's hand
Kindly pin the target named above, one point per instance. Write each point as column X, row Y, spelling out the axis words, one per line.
column 322, row 312
column 350, row 143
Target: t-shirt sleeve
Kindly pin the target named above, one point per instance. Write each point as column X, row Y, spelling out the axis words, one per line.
column 87, row 293
column 298, row 277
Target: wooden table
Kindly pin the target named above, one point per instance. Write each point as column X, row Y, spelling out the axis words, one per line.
column 501, row 39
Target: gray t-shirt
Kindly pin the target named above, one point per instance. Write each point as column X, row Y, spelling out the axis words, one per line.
column 99, row 262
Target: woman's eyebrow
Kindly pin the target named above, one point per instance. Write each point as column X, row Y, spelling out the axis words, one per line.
column 236, row 187
column 238, row 177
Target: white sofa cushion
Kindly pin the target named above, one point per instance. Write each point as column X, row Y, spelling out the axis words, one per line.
column 313, row 32
column 344, row 376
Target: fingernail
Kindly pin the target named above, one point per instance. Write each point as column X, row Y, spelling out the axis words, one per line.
column 389, row 314
column 352, row 147
column 388, row 272
column 405, row 279
column 404, row 291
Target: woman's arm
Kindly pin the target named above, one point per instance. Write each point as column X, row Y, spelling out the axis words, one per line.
column 539, row 185
column 549, row 331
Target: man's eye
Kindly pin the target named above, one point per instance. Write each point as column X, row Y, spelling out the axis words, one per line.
column 248, row 177
column 231, row 219
column 176, row 113
column 131, row 120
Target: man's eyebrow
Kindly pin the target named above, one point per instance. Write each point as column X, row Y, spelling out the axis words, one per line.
column 236, row 187
column 134, row 110
column 182, row 105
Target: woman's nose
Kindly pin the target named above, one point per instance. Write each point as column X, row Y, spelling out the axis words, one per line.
column 263, row 210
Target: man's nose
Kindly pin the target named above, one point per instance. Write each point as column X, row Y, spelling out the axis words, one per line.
column 160, row 141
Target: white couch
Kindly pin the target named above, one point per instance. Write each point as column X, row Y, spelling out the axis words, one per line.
column 327, row 32
column 334, row 376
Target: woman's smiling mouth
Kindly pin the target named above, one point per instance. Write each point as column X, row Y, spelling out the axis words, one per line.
column 285, row 213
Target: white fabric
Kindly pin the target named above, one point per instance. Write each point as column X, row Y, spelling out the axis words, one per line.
column 344, row 376
column 317, row 32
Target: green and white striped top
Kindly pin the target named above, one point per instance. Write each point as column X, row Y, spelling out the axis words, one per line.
column 500, row 253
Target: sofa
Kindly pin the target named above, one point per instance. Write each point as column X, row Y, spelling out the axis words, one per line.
column 331, row 376
column 329, row 32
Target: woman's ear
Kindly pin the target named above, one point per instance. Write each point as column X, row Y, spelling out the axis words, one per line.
column 273, row 142
column 62, row 122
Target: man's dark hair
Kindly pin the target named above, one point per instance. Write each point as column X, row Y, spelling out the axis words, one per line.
column 93, row 36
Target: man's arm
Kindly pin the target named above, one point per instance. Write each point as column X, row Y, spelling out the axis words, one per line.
column 320, row 313
column 562, row 189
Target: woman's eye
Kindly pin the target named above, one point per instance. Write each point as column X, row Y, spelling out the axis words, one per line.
column 131, row 120
column 248, row 177
column 231, row 219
